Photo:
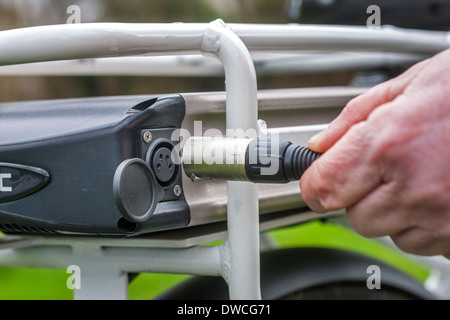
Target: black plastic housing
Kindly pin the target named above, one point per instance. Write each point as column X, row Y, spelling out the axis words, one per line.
column 414, row 14
column 287, row 163
column 80, row 143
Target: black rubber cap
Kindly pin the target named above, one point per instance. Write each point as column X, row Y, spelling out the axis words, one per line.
column 136, row 190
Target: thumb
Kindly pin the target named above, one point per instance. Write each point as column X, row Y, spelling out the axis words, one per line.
column 359, row 108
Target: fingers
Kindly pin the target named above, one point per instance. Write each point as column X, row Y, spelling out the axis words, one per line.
column 418, row 241
column 379, row 214
column 359, row 108
column 367, row 169
column 429, row 233
column 382, row 212
column 343, row 175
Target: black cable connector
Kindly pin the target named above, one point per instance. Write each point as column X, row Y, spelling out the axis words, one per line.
column 287, row 163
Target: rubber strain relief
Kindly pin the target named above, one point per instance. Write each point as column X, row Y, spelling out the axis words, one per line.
column 263, row 164
column 297, row 160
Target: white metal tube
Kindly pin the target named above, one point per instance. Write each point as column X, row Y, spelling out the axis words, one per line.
column 103, row 270
column 266, row 37
column 202, row 260
column 58, row 257
column 199, row 260
column 191, row 66
column 101, row 283
column 242, row 245
column 195, row 66
column 92, row 40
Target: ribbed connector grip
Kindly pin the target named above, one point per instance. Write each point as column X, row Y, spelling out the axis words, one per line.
column 297, row 160
column 287, row 161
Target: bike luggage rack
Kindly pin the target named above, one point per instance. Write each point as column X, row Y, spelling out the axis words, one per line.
column 106, row 262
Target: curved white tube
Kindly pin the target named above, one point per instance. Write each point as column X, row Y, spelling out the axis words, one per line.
column 242, row 272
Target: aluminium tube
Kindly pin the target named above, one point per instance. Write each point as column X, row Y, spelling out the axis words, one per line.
column 240, row 252
column 97, row 40
column 291, row 37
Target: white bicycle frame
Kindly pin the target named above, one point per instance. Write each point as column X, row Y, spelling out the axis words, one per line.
column 123, row 49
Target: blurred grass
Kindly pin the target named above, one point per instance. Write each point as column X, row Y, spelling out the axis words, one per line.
column 49, row 284
column 323, row 234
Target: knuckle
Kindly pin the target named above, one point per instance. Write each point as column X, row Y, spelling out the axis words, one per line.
column 386, row 147
column 350, row 109
column 406, row 246
column 360, row 224
column 329, row 202
column 317, row 192
column 360, row 134
column 415, row 241
column 323, row 188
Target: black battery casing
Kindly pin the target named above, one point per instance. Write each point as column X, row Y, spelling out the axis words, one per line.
column 72, row 148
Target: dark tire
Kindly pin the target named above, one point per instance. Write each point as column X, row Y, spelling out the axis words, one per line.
column 311, row 274
column 348, row 291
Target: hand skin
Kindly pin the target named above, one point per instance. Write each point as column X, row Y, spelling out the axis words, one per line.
column 387, row 160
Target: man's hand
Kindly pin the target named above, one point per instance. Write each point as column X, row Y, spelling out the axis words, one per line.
column 387, row 160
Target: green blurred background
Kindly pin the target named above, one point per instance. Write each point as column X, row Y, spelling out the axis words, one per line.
column 50, row 284
column 20, row 283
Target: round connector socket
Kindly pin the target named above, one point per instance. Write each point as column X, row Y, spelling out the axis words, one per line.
column 162, row 164
column 160, row 158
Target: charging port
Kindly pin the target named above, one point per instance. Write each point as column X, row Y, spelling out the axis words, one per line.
column 161, row 160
